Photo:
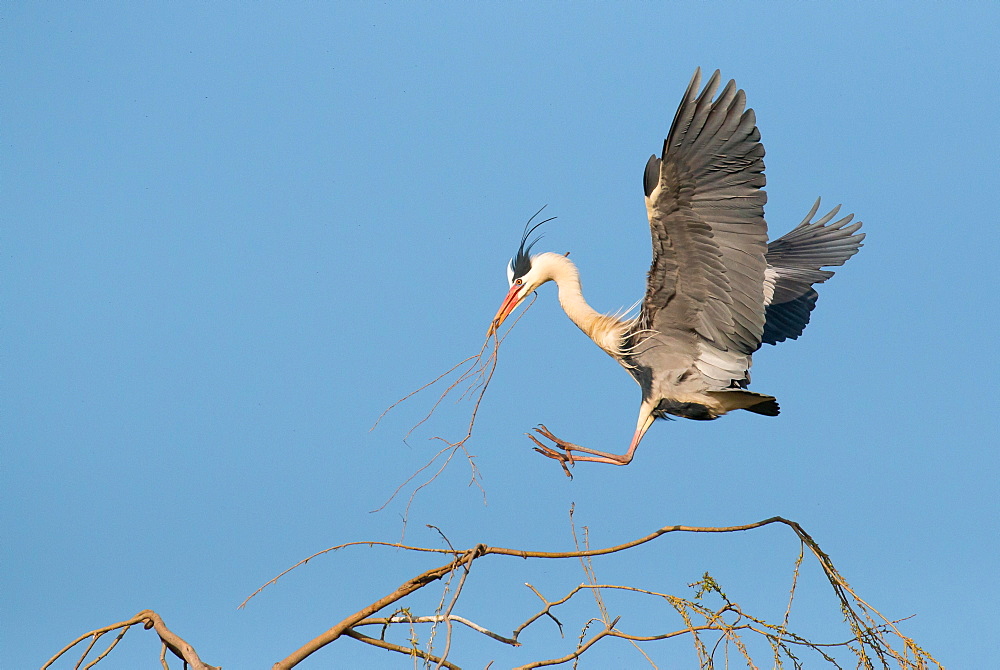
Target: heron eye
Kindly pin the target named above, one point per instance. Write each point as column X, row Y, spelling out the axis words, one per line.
column 518, row 281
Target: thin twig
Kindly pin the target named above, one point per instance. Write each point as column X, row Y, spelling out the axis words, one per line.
column 777, row 644
column 150, row 619
column 86, row 652
column 425, row 386
column 409, row 651
column 437, row 618
column 96, row 633
column 481, row 371
column 607, row 632
column 370, row 543
column 546, row 611
column 451, row 606
column 107, row 651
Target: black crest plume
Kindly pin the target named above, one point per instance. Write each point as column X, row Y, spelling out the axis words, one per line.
column 521, row 263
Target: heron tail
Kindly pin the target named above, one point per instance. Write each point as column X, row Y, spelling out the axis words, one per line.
column 758, row 403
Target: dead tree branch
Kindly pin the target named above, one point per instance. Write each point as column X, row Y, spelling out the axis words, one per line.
column 867, row 624
column 405, row 589
column 409, row 651
column 875, row 640
column 149, row 619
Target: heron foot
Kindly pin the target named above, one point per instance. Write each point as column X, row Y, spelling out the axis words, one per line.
column 562, row 451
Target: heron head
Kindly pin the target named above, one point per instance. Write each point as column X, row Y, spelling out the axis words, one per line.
column 520, row 275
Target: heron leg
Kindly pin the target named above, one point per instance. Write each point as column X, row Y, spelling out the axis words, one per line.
column 562, row 451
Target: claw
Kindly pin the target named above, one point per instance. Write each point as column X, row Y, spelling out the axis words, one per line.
column 564, row 457
column 545, row 451
column 563, row 451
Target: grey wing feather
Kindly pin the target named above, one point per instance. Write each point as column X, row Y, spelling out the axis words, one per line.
column 794, row 263
column 705, row 203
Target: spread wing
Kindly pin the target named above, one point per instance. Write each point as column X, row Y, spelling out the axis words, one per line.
column 705, row 204
column 793, row 266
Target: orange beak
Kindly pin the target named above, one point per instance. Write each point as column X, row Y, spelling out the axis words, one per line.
column 512, row 300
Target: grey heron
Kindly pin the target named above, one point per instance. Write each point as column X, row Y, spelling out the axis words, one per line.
column 715, row 290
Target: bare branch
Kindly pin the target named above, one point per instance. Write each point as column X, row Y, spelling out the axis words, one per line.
column 451, row 606
column 409, row 651
column 174, row 642
column 610, row 632
column 107, row 651
column 437, row 618
column 546, row 611
column 875, row 640
column 402, row 591
column 866, row 630
column 369, row 543
column 95, row 634
column 149, row 619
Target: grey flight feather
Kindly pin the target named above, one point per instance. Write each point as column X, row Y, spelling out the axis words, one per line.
column 794, row 263
column 705, row 204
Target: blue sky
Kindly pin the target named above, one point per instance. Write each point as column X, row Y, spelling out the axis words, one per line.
column 234, row 234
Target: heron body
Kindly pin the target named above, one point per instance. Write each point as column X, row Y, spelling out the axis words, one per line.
column 715, row 290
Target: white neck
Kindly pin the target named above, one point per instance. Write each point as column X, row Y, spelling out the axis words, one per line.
column 606, row 331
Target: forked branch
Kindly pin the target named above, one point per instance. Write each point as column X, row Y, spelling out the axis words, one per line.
column 875, row 641
column 149, row 619
column 869, row 627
